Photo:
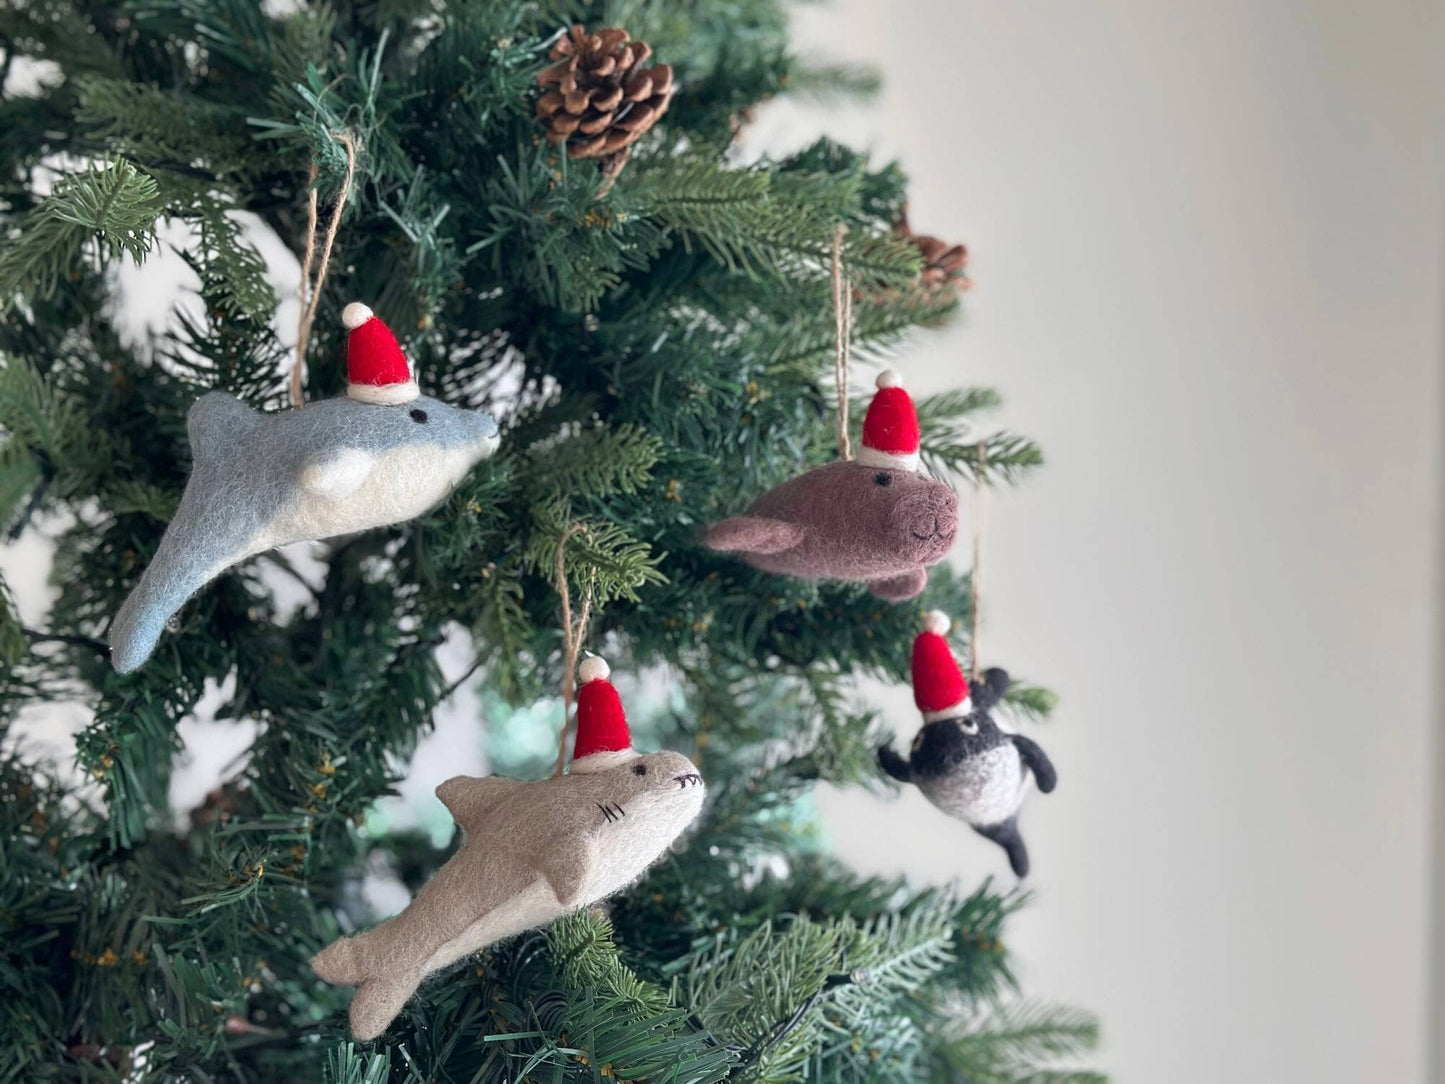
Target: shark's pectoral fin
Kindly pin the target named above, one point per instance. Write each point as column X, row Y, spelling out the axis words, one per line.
column 337, row 474
column 470, row 800
column 567, row 867
column 753, row 534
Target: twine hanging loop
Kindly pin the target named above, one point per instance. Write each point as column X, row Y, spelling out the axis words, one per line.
column 842, row 339
column 573, row 636
column 311, row 292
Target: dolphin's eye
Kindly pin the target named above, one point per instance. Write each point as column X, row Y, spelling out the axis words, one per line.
column 419, row 415
column 883, row 478
column 639, row 769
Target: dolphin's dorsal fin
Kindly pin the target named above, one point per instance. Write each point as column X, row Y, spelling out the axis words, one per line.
column 753, row 534
column 216, row 424
column 470, row 800
column 336, row 474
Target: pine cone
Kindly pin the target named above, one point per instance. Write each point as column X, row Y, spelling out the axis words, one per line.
column 943, row 264
column 601, row 98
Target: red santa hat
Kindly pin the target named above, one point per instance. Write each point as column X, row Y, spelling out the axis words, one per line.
column 603, row 740
column 376, row 369
column 890, row 429
column 939, row 687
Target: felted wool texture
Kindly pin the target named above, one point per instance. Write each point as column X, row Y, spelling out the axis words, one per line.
column 847, row 521
column 532, row 853
column 264, row 480
column 975, row 771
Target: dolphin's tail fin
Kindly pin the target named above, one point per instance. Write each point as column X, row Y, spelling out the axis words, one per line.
column 174, row 575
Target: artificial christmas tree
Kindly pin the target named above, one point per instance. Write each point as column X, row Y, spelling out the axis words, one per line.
column 654, row 344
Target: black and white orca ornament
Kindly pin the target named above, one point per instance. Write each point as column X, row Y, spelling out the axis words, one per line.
column 962, row 760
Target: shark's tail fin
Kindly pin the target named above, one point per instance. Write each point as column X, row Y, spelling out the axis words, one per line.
column 377, row 1001
column 344, row 962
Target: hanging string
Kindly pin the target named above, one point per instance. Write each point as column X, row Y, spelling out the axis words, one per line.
column 311, row 292
column 842, row 339
column 975, row 578
column 572, row 639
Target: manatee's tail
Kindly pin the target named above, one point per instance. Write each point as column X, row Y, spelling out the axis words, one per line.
column 1006, row 835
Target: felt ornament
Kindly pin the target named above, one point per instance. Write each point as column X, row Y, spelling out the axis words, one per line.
column 962, row 760
column 380, row 454
column 875, row 519
column 532, row 852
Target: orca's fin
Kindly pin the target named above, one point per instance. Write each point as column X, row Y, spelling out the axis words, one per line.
column 1036, row 761
column 753, row 534
column 894, row 764
column 1006, row 835
column 218, row 425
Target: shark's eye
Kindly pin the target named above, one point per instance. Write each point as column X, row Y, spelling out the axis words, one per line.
column 639, row 769
column 883, row 478
column 418, row 415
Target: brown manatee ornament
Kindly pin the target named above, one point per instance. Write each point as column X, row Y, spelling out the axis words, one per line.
column 532, row 853
column 874, row 519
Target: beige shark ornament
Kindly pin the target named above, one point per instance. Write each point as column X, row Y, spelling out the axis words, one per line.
column 532, row 852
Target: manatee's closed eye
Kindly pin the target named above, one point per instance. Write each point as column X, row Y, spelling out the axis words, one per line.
column 418, row 415
column 883, row 478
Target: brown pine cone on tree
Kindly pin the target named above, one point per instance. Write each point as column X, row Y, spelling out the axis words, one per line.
column 600, row 99
column 943, row 263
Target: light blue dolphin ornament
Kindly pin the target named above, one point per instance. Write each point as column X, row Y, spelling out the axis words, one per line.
column 381, row 454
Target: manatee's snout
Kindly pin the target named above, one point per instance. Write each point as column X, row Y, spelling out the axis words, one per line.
column 925, row 522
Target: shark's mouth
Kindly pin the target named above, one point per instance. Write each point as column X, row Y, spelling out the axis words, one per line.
column 687, row 779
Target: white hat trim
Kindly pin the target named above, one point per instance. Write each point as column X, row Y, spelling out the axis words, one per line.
column 963, row 707
column 384, row 394
column 601, row 762
column 872, row 457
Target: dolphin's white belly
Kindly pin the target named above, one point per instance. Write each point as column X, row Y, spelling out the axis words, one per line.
column 401, row 485
column 983, row 790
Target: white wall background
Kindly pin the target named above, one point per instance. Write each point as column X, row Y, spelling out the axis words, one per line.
column 1206, row 240
column 1207, row 244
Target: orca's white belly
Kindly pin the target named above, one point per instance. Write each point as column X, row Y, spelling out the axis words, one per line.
column 984, row 789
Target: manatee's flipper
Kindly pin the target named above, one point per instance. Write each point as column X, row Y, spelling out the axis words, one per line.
column 1006, row 835
column 898, row 588
column 470, row 800
column 991, row 689
column 753, row 534
column 337, row 474
column 218, row 425
column 894, row 764
column 378, row 1000
column 567, row 865
column 1036, row 761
